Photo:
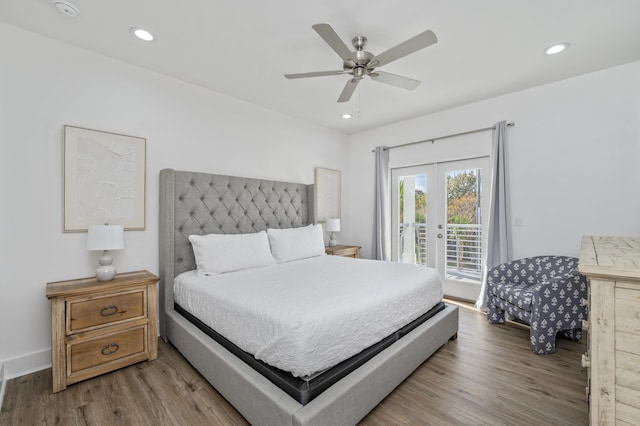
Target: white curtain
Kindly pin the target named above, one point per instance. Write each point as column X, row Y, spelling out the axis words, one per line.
column 499, row 229
column 381, row 227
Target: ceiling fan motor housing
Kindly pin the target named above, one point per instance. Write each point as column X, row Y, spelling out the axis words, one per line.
column 358, row 65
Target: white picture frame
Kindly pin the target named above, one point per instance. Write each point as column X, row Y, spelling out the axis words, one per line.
column 327, row 194
column 103, row 179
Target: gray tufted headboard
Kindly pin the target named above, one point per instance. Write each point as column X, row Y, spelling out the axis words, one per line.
column 202, row 203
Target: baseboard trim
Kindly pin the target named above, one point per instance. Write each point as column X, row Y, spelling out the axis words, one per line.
column 27, row 364
column 3, row 384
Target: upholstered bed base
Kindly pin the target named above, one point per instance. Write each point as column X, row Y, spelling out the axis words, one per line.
column 345, row 403
column 199, row 203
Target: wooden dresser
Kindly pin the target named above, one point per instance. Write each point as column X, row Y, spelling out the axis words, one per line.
column 100, row 326
column 612, row 266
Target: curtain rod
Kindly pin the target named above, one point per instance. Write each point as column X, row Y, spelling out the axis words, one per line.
column 432, row 140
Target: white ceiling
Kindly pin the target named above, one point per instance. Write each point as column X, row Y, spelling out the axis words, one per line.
column 243, row 48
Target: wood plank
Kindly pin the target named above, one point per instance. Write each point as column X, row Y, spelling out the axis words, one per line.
column 628, row 379
column 58, row 348
column 610, row 257
column 628, row 414
column 627, row 342
column 628, row 314
column 487, row 376
column 91, row 284
column 152, row 310
column 628, row 396
column 627, row 361
column 627, row 291
column 602, row 349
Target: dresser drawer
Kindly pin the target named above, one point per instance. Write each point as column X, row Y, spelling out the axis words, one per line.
column 85, row 313
column 100, row 351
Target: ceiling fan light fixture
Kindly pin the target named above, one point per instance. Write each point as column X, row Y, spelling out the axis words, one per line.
column 556, row 48
column 346, row 116
column 141, row 34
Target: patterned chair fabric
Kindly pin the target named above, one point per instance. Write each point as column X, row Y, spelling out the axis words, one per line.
column 543, row 291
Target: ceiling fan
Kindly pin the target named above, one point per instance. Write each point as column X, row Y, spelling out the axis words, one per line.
column 361, row 63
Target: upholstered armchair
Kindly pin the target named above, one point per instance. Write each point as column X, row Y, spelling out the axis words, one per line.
column 545, row 292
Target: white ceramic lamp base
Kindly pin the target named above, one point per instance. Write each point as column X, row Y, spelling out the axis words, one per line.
column 106, row 271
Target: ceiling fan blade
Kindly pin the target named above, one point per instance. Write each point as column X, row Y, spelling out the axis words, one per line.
column 334, row 41
column 395, row 80
column 348, row 90
column 315, row 74
column 405, row 48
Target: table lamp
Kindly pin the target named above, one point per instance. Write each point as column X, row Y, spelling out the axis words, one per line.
column 105, row 237
column 333, row 226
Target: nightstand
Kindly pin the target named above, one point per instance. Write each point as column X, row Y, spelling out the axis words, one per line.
column 101, row 326
column 344, row 251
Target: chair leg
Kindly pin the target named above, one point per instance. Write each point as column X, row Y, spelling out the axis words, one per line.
column 542, row 344
column 495, row 315
column 573, row 334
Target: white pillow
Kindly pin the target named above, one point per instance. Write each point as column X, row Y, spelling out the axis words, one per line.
column 218, row 253
column 296, row 243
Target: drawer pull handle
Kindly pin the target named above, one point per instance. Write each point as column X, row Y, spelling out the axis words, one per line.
column 109, row 310
column 111, row 348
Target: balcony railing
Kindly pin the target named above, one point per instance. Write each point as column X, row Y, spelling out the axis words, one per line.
column 464, row 248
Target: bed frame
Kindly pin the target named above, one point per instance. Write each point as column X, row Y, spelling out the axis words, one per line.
column 200, row 203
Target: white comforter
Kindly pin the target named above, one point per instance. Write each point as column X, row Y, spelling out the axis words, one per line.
column 308, row 315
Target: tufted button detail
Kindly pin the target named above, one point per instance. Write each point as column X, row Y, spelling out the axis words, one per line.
column 202, row 227
column 191, row 183
column 180, row 228
column 202, row 198
column 192, row 213
column 180, row 198
column 180, row 260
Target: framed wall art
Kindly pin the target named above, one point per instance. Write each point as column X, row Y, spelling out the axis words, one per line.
column 327, row 194
column 103, row 179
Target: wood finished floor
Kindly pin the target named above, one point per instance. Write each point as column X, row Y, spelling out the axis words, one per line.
column 488, row 376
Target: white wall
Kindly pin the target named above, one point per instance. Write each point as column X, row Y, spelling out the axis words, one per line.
column 573, row 156
column 44, row 85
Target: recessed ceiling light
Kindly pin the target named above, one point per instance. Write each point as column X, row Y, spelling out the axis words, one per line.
column 346, row 116
column 556, row 48
column 142, row 34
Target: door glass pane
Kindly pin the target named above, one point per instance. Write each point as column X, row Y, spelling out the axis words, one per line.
column 464, row 247
column 412, row 226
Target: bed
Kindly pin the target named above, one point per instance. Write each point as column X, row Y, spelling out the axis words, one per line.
column 194, row 203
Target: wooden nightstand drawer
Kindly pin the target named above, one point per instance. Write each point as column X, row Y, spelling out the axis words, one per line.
column 105, row 349
column 84, row 313
column 344, row 251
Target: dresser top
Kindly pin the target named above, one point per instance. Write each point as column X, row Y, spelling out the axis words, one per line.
column 91, row 284
column 613, row 257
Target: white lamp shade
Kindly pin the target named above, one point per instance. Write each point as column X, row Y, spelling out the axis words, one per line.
column 332, row 225
column 105, row 237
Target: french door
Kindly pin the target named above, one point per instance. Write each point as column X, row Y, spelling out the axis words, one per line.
column 438, row 215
